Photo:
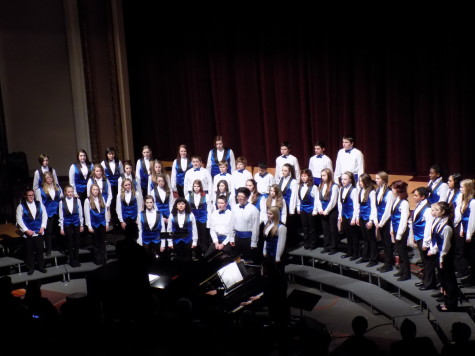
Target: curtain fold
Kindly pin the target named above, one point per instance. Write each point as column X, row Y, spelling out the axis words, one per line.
column 408, row 98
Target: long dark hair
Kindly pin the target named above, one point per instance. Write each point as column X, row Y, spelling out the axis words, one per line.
column 401, row 189
column 181, row 200
column 111, row 150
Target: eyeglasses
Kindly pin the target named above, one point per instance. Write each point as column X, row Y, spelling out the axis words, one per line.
column 30, row 195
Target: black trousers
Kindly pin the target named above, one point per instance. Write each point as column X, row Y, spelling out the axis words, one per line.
column 401, row 247
column 34, row 252
column 330, row 230
column 243, row 247
column 99, row 253
column 181, row 192
column 131, row 229
column 370, row 248
column 227, row 250
column 309, row 230
column 114, row 220
column 51, row 233
column 429, row 276
column 448, row 280
column 72, row 235
column 293, row 225
column 204, row 239
column 183, row 251
column 351, row 233
column 386, row 242
column 461, row 257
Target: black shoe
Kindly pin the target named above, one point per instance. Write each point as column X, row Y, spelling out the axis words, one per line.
column 419, row 284
column 30, row 272
column 425, row 288
column 332, row 252
column 440, row 299
column 402, row 278
column 372, row 264
column 362, row 260
column 353, row 258
column 325, row 250
column 42, row 269
column 397, row 274
column 437, row 295
column 306, row 247
column 386, row 269
column 346, row 255
column 48, row 253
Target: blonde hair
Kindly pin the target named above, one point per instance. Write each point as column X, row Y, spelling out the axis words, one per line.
column 99, row 196
column 152, row 170
column 279, row 198
column 166, row 188
column 468, row 185
column 44, row 185
column 276, row 212
column 93, row 172
column 329, row 183
column 122, row 191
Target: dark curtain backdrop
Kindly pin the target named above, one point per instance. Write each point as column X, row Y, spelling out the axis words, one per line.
column 405, row 90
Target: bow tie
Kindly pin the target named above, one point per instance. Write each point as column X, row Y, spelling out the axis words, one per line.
column 262, row 175
column 283, row 156
column 223, row 174
column 242, row 206
column 222, row 211
column 196, row 169
column 240, row 170
column 319, row 156
column 348, row 151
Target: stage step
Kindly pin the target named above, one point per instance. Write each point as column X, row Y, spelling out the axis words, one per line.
column 386, row 303
column 53, row 271
column 444, row 320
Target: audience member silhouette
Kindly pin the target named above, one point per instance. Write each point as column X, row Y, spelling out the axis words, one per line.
column 358, row 344
column 461, row 343
column 410, row 344
column 15, row 317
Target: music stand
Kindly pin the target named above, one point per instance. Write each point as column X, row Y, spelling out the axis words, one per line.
column 303, row 300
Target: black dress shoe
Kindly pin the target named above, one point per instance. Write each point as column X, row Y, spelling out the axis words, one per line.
column 346, row 255
column 42, row 269
column 419, row 284
column 437, row 295
column 325, row 250
column 425, row 288
column 30, row 272
column 386, row 269
column 362, row 260
column 403, row 278
column 372, row 264
column 398, row 274
column 332, row 252
column 352, row 258
column 440, row 299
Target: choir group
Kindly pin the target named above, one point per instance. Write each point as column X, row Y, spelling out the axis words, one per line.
column 198, row 210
